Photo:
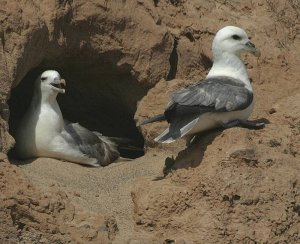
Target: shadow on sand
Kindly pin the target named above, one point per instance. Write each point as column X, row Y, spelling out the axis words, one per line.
column 20, row 162
column 192, row 155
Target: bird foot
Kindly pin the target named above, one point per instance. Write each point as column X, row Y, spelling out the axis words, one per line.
column 245, row 124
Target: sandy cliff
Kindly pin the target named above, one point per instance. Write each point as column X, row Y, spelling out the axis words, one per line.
column 121, row 60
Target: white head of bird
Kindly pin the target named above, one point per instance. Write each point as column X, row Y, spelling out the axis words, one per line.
column 49, row 84
column 233, row 40
column 227, row 47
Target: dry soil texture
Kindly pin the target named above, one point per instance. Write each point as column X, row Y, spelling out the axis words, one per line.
column 232, row 186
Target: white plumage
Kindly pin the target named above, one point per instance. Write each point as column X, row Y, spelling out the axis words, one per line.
column 223, row 98
column 43, row 132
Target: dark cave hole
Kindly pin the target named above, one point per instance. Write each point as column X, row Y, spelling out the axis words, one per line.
column 99, row 95
column 173, row 60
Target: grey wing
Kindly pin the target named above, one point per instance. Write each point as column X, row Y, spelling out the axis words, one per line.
column 90, row 144
column 217, row 94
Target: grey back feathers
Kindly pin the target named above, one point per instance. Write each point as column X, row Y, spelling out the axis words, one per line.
column 43, row 132
column 92, row 144
column 215, row 94
column 224, row 96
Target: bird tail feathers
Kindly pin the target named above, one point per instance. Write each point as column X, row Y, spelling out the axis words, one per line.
column 177, row 129
column 156, row 118
column 165, row 137
column 124, row 145
column 121, row 141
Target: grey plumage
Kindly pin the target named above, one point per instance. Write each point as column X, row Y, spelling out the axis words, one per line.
column 92, row 144
column 44, row 133
column 215, row 94
column 156, row 118
column 224, row 98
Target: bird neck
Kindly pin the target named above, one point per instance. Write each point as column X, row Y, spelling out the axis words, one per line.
column 46, row 100
column 228, row 64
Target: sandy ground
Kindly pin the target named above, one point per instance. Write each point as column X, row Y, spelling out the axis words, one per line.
column 105, row 190
column 236, row 186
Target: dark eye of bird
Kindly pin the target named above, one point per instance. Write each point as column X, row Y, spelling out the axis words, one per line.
column 236, row 37
column 43, row 78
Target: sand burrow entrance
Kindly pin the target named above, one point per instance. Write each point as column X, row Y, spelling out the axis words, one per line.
column 99, row 95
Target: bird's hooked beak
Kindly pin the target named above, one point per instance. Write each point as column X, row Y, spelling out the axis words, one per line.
column 59, row 85
column 250, row 47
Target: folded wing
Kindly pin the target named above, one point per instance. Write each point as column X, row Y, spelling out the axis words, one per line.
column 215, row 94
column 91, row 144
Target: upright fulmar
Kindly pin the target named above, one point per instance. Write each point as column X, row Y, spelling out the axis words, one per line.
column 223, row 98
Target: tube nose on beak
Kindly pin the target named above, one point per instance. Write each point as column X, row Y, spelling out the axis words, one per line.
column 251, row 48
column 62, row 81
